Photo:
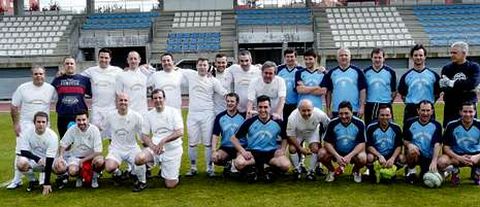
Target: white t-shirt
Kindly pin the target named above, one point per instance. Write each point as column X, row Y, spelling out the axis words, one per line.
column 134, row 83
column 103, row 86
column 171, row 83
column 162, row 124
column 201, row 90
column 123, row 129
column 297, row 126
column 274, row 90
column 44, row 145
column 219, row 100
column 32, row 99
column 82, row 143
column 240, row 80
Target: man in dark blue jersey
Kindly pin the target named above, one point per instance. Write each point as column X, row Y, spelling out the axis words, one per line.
column 71, row 89
column 384, row 141
column 381, row 85
column 226, row 124
column 345, row 82
column 262, row 133
column 418, row 83
column 422, row 140
column 459, row 80
column 287, row 72
column 462, row 144
column 344, row 143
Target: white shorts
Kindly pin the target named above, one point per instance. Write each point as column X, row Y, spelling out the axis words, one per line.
column 98, row 118
column 169, row 161
column 314, row 138
column 36, row 167
column 123, row 155
column 200, row 127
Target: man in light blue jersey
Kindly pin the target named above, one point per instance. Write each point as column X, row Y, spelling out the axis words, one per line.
column 287, row 72
column 344, row 143
column 263, row 135
column 384, row 141
column 308, row 80
column 345, row 82
column 418, row 83
column 422, row 140
column 381, row 85
column 462, row 144
column 226, row 124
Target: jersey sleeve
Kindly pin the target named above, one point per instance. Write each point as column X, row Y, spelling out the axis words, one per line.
column 362, row 81
column 252, row 94
column 119, row 86
column 217, row 129
column 298, row 77
column 398, row 135
column 97, row 140
column 327, row 81
column 177, row 119
column 330, row 135
column 243, row 130
column 282, row 88
column 436, row 86
column 370, row 129
column 52, row 146
column 437, row 135
column 67, row 139
column 146, row 127
column 448, row 138
column 290, row 130
column 88, row 86
column 361, row 132
column 393, row 80
column 218, row 88
column 17, row 97
column 471, row 81
column 402, row 86
column 407, row 134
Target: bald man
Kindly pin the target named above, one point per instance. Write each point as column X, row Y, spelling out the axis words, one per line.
column 124, row 125
column 306, row 124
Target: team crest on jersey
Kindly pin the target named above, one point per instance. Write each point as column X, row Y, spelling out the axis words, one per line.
column 459, row 76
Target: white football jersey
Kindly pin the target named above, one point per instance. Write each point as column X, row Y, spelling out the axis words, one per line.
column 240, row 80
column 134, row 83
column 103, row 86
column 82, row 143
column 171, row 83
column 201, row 91
column 31, row 99
column 124, row 128
column 44, row 145
column 297, row 126
column 274, row 90
column 162, row 124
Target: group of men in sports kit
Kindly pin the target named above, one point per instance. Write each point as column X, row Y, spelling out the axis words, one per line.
column 255, row 120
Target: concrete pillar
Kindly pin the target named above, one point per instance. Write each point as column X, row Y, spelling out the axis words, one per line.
column 18, row 8
column 90, row 6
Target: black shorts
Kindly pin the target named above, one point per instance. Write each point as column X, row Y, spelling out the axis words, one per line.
column 262, row 157
column 231, row 151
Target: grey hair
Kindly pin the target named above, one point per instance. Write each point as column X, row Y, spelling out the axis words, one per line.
column 463, row 46
column 344, row 49
column 269, row 64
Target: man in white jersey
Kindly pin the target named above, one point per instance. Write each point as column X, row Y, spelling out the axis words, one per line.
column 170, row 80
column 306, row 123
column 240, row 76
column 38, row 149
column 81, row 144
column 165, row 145
column 201, row 114
column 124, row 125
column 102, row 78
column 270, row 85
column 133, row 81
column 220, row 73
column 29, row 98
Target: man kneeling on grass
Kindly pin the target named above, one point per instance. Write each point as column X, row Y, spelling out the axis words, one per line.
column 344, row 143
column 461, row 144
column 80, row 147
column 262, row 134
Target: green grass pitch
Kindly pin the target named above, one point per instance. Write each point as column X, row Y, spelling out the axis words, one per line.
column 203, row 191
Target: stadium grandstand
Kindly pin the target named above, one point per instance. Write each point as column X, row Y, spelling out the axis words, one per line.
column 37, row 33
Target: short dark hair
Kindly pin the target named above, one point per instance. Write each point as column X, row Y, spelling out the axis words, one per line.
column 345, row 104
column 289, row 51
column 220, row 55
column 105, row 50
column 157, row 90
column 377, row 50
column 418, row 47
column 202, row 59
column 40, row 114
column 310, row 53
column 468, row 103
column 232, row 94
column 82, row 112
column 166, row 54
column 425, row 102
column 384, row 106
column 263, row 98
